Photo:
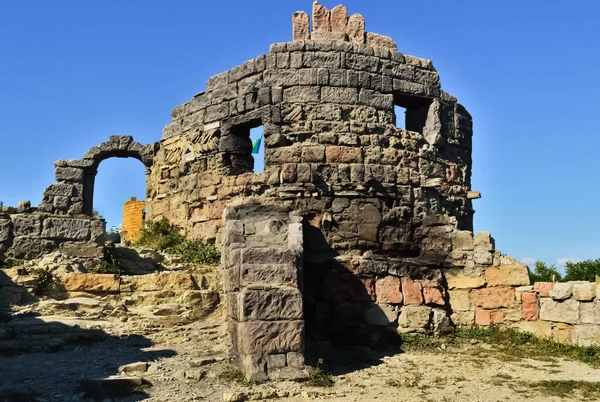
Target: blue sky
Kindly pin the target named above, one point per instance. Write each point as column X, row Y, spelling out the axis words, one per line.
column 74, row 72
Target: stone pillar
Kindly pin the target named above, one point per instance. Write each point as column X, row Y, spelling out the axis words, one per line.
column 356, row 28
column 300, row 26
column 133, row 219
column 262, row 261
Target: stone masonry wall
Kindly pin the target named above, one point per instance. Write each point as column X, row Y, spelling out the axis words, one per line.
column 262, row 257
column 494, row 289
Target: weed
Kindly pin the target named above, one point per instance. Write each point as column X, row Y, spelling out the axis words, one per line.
column 163, row 236
column 319, row 377
column 10, row 263
column 563, row 388
column 44, row 279
column 233, row 374
column 509, row 341
column 105, row 268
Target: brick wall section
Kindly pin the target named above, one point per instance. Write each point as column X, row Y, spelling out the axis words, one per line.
column 133, row 219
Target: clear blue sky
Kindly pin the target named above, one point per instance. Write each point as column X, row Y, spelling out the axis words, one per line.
column 74, row 72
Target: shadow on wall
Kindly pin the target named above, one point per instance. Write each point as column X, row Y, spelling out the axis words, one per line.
column 52, row 359
column 344, row 326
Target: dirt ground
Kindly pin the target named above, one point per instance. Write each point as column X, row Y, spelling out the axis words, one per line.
column 186, row 359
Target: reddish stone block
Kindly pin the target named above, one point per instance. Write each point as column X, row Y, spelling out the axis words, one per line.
column 412, row 291
column 482, row 317
column 543, row 288
column 433, row 295
column 388, row 290
column 529, row 306
column 493, row 298
column 496, row 317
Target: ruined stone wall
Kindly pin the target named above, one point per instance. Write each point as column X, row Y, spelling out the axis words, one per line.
column 30, row 234
column 65, row 215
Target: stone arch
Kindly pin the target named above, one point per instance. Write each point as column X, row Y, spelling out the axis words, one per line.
column 73, row 193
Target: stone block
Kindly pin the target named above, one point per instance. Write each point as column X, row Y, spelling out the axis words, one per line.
column 460, row 300
column 563, row 334
column 380, row 315
column 377, row 40
column 493, row 298
column 463, row 318
column 543, row 288
column 341, row 154
column 295, row 360
column 270, row 337
column 566, row 311
column 255, row 367
column 302, row 94
column 414, row 318
column 270, row 274
column 483, row 257
column 462, row 240
column 562, row 291
column 300, row 26
column 483, row 317
column 483, row 241
column 92, row 283
column 461, row 281
column 66, row 229
column 31, row 247
column 589, row 313
column 270, row 304
column 433, row 295
column 69, row 174
column 175, row 282
column 321, row 17
column 496, row 317
column 584, row 291
column 388, row 290
column 341, row 95
column 276, row 361
column 339, row 19
column 5, row 230
column 529, row 306
column 507, row 275
column 356, row 28
column 586, row 335
column 541, row 329
column 412, row 291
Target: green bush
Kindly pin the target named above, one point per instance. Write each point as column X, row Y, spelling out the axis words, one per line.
column 319, row 377
column 159, row 235
column 583, row 271
column 10, row 263
column 44, row 279
column 163, row 236
column 544, row 273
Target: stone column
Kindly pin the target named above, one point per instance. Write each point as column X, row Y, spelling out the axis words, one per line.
column 262, row 259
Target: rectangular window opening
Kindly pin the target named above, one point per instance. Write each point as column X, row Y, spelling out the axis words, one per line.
column 258, row 148
column 411, row 111
column 245, row 147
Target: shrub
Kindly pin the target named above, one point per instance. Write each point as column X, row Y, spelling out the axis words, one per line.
column 544, row 273
column 583, row 271
column 319, row 377
column 10, row 263
column 163, row 236
column 44, row 280
column 233, row 374
column 159, row 235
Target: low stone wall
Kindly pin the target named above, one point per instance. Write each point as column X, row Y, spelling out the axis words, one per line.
column 29, row 235
column 564, row 312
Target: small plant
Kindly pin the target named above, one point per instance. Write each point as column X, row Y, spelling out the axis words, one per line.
column 163, row 236
column 44, row 279
column 105, row 268
column 318, row 377
column 159, row 235
column 233, row 374
column 10, row 263
column 566, row 388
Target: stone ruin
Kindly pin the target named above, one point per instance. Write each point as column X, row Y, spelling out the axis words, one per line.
column 356, row 229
